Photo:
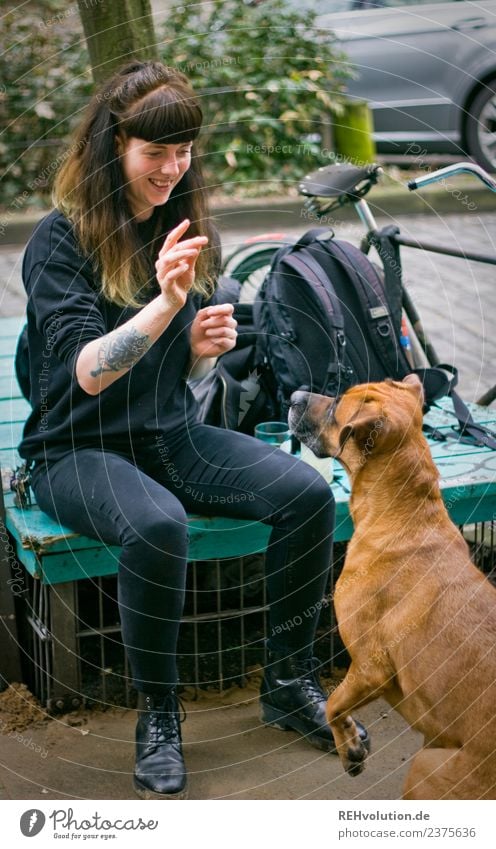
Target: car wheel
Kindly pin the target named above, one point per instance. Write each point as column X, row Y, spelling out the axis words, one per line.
column 481, row 127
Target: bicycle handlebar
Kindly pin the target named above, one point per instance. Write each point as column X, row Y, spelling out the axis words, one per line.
column 449, row 171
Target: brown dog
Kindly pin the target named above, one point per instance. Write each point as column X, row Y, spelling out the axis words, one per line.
column 417, row 617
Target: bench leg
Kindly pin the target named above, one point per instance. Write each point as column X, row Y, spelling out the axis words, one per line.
column 12, row 583
column 65, row 687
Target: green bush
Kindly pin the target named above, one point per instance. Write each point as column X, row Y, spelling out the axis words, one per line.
column 45, row 81
column 269, row 81
column 267, row 78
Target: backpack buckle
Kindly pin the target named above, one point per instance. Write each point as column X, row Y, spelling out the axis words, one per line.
column 384, row 329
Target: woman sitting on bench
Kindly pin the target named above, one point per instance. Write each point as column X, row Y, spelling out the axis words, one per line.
column 119, row 278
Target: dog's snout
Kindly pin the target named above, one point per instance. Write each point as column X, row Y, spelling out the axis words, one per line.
column 299, row 398
column 297, row 412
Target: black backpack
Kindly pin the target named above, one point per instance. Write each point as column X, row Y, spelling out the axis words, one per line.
column 322, row 321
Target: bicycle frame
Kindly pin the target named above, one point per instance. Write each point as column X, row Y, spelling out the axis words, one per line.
column 376, row 236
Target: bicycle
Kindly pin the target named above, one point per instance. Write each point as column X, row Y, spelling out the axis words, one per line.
column 335, row 186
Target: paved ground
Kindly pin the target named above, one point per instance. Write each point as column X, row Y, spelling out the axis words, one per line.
column 229, row 755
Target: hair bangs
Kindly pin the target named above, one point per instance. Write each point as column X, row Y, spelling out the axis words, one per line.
column 165, row 116
column 155, row 103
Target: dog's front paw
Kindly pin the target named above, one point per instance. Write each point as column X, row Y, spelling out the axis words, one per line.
column 354, row 760
column 355, row 750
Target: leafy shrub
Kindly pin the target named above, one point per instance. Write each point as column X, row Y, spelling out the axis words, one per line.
column 45, row 81
column 269, row 82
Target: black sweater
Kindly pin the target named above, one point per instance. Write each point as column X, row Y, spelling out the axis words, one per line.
column 65, row 311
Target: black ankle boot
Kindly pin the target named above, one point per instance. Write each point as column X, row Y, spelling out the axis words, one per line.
column 291, row 698
column 159, row 770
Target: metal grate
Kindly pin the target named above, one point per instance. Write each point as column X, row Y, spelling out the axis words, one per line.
column 72, row 645
column 71, row 636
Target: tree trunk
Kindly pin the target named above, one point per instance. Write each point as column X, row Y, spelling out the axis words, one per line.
column 117, row 33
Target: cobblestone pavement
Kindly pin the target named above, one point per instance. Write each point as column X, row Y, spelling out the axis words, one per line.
column 456, row 299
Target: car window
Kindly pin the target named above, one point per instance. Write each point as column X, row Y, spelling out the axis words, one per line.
column 355, row 5
column 379, row 4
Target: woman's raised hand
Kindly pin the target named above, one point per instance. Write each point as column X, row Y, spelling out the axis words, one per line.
column 175, row 266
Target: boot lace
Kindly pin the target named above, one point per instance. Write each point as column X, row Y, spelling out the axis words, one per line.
column 306, row 670
column 165, row 722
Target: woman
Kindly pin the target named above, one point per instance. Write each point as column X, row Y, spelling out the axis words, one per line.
column 116, row 276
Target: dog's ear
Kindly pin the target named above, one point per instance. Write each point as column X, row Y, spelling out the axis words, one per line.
column 414, row 382
column 365, row 430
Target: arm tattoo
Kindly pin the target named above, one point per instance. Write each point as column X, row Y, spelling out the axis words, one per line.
column 121, row 351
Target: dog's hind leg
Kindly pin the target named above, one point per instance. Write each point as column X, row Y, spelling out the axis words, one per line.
column 355, row 691
column 446, row 774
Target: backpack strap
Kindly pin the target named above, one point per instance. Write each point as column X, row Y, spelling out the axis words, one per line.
column 389, row 252
column 316, row 234
column 470, row 431
column 438, row 383
column 372, row 298
column 308, row 268
column 284, row 318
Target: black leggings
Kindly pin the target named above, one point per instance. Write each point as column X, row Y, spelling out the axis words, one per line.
column 139, row 502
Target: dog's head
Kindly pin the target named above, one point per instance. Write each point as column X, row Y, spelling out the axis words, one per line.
column 368, row 419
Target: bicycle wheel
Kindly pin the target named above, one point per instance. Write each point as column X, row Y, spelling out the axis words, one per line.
column 249, row 265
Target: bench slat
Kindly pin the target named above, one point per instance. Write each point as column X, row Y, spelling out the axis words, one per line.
column 7, row 367
column 8, row 343
column 34, row 530
column 444, row 419
column 9, row 459
column 469, row 490
column 452, row 449
column 14, row 410
column 9, row 388
column 56, row 554
column 11, row 327
column 74, row 557
column 10, row 434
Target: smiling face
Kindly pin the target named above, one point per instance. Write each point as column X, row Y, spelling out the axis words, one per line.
column 150, row 172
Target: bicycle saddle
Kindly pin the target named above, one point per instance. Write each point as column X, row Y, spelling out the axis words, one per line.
column 336, row 180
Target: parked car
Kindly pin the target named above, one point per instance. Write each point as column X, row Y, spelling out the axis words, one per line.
column 427, row 69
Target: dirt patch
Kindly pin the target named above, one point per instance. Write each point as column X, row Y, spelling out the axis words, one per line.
column 240, row 695
column 19, row 709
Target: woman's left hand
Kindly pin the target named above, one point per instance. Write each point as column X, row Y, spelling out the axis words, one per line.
column 213, row 331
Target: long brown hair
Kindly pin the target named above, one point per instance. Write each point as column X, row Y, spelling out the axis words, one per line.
column 149, row 101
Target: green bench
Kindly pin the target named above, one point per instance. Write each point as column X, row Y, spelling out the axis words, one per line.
column 55, row 558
